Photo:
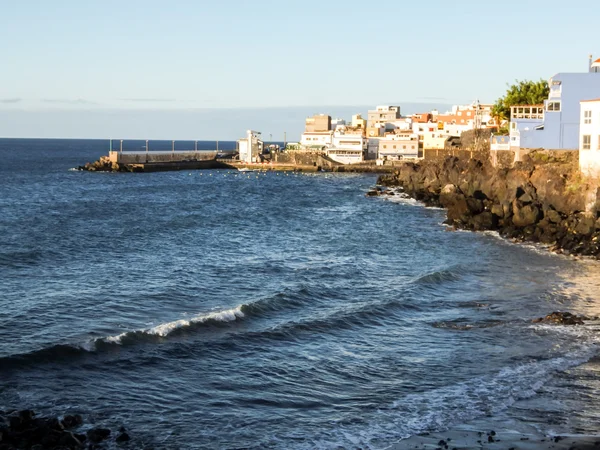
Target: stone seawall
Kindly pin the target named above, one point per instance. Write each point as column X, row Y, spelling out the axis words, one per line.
column 541, row 199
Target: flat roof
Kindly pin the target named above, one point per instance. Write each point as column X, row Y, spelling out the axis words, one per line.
column 588, row 101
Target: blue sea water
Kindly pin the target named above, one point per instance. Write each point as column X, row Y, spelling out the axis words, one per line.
column 218, row 309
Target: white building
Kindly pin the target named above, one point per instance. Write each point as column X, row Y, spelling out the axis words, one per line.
column 335, row 123
column 317, row 138
column 250, row 147
column 589, row 138
column 347, row 147
column 398, row 146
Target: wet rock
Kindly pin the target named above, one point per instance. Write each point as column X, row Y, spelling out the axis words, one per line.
column 562, row 318
column 69, row 440
column 24, row 430
column 72, row 421
column 98, row 434
column 123, row 437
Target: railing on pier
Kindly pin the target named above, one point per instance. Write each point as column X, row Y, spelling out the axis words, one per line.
column 137, row 151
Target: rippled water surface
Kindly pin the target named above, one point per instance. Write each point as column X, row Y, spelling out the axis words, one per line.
column 217, row 309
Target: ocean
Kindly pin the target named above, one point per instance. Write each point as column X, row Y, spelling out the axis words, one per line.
column 218, row 309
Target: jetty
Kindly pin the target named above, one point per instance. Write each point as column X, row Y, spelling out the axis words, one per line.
column 121, row 159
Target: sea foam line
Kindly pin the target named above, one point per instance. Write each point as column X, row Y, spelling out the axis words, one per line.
column 167, row 328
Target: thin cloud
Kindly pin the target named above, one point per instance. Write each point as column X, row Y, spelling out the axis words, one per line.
column 10, row 100
column 78, row 101
column 148, row 99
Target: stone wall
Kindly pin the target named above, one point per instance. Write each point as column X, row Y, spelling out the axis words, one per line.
column 442, row 154
column 160, row 157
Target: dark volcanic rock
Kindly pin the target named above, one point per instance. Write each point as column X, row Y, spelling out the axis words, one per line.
column 23, row 430
column 72, row 421
column 534, row 201
column 123, row 437
column 562, row 318
column 98, row 434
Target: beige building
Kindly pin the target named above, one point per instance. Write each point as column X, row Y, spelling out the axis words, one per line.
column 394, row 147
column 382, row 117
column 318, row 123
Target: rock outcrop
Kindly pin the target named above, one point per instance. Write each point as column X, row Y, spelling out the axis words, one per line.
column 104, row 164
column 24, row 430
column 563, row 318
column 537, row 200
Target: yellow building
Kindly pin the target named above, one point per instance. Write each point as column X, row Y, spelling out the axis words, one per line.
column 359, row 122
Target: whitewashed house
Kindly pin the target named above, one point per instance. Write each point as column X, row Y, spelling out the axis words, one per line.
column 317, row 138
column 398, row 146
column 589, row 138
column 347, row 146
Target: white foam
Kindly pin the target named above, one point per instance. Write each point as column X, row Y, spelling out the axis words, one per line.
column 222, row 316
column 442, row 408
column 167, row 328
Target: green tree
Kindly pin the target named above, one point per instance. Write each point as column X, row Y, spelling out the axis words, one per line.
column 521, row 93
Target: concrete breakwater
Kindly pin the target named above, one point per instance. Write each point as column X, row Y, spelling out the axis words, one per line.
column 541, row 199
column 280, row 162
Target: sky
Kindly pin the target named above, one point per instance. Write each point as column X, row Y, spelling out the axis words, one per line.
column 200, row 69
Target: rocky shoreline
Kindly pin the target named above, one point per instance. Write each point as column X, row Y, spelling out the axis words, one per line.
column 541, row 199
column 104, row 164
column 25, row 430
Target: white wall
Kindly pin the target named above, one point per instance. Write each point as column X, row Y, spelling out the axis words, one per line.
column 589, row 159
column 316, row 139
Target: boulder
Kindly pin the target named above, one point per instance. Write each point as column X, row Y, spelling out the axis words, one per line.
column 69, row 440
column 72, row 421
column 123, row 437
column 525, row 215
column 96, row 435
column 562, row 318
column 553, row 215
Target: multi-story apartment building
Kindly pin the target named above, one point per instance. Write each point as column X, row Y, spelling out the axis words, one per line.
column 380, row 118
column 393, row 147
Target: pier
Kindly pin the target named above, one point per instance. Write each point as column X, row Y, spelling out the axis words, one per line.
column 127, row 157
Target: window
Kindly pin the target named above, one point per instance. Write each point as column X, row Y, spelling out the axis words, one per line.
column 469, row 113
column 394, row 146
column 404, row 147
column 587, row 117
column 513, row 125
column 385, row 146
column 586, row 143
column 553, row 106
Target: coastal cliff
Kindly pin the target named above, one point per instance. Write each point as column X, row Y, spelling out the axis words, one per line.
column 541, row 199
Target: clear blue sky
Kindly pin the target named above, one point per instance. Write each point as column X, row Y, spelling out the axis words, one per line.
column 134, row 55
